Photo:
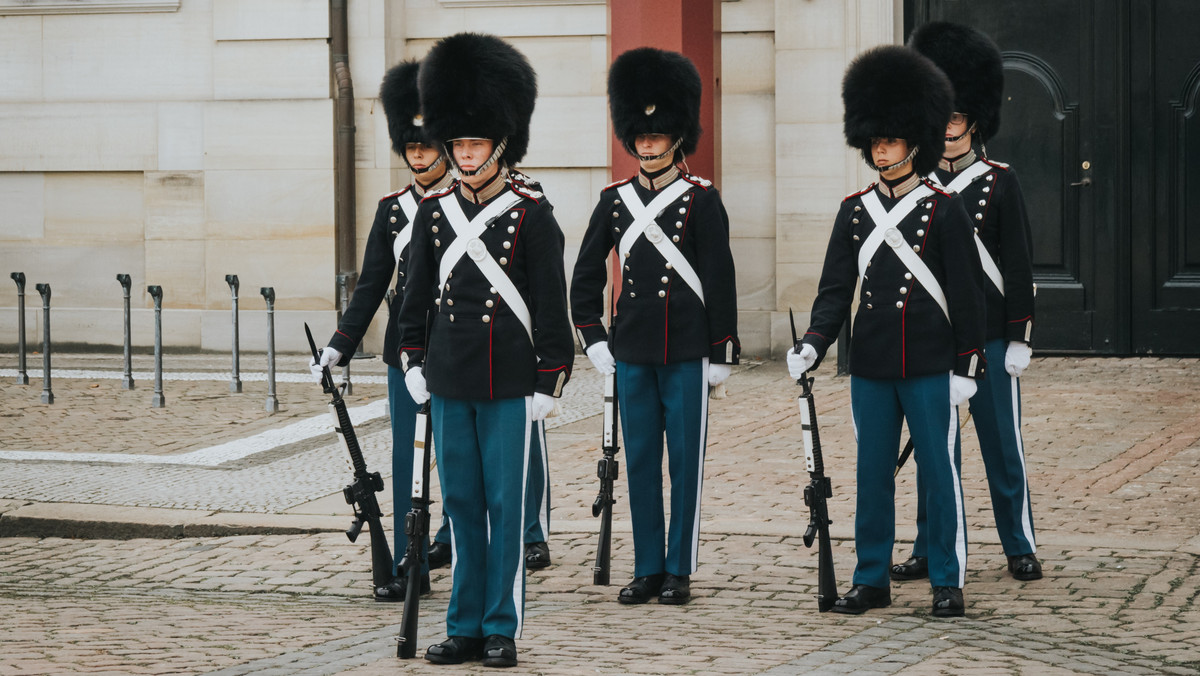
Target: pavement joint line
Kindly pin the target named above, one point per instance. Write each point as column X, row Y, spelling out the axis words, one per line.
column 144, row 376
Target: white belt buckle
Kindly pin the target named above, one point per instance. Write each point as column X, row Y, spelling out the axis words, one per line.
column 476, row 249
column 654, row 233
column 893, row 237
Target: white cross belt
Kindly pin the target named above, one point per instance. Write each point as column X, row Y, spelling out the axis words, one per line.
column 644, row 216
column 886, row 231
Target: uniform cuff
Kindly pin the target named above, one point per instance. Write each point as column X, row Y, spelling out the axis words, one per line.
column 589, row 334
column 1019, row 330
column 725, row 351
column 970, row 364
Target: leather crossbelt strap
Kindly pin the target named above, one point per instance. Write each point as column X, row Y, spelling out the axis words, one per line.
column 643, row 223
column 467, row 243
column 886, row 231
column 408, row 204
column 965, row 178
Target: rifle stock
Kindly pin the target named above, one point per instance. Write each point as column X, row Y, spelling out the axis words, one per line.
column 360, row 494
column 416, row 527
column 607, row 471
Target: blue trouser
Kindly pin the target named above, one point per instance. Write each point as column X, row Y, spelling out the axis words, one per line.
column 537, row 496
column 483, row 452
column 879, row 407
column 996, row 410
column 403, row 412
column 653, row 399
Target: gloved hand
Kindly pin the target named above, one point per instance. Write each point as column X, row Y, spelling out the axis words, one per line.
column 961, row 389
column 542, row 405
column 1016, row 358
column 717, row 374
column 414, row 380
column 799, row 364
column 602, row 357
column 329, row 357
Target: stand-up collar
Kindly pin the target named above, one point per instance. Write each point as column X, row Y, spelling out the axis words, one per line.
column 957, row 164
column 899, row 187
column 659, row 179
column 487, row 191
column 443, row 182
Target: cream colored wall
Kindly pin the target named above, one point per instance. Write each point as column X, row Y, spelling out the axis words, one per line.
column 183, row 146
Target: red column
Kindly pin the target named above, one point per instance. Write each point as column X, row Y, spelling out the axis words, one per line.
column 692, row 28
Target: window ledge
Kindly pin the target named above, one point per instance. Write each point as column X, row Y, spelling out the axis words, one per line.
column 18, row 7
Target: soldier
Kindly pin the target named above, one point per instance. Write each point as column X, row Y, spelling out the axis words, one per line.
column 486, row 271
column 383, row 260
column 915, row 351
column 992, row 196
column 675, row 325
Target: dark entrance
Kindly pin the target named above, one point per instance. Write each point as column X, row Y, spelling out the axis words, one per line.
column 1101, row 122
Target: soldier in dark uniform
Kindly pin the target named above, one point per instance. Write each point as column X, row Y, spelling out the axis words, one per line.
column 383, row 260
column 675, row 332
column 993, row 199
column 486, row 271
column 917, row 341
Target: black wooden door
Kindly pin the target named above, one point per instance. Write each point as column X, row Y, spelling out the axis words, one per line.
column 1165, row 175
column 1061, row 130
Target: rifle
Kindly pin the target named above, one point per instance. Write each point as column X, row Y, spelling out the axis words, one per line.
column 416, row 527
column 607, row 471
column 818, row 490
column 361, row 493
column 908, row 447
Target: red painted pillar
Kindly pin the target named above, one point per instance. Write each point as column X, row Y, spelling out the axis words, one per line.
column 692, row 28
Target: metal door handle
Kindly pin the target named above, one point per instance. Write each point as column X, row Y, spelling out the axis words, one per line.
column 1085, row 181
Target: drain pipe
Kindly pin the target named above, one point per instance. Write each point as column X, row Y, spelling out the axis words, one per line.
column 345, row 244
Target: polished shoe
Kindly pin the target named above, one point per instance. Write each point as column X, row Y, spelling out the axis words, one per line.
column 499, row 651
column 396, row 589
column 862, row 598
column 455, row 650
column 676, row 590
column 642, row 589
column 439, row 555
column 1025, row 567
column 915, row 568
column 537, row 555
column 947, row 602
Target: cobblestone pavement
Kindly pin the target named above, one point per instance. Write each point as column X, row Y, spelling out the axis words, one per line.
column 271, row 585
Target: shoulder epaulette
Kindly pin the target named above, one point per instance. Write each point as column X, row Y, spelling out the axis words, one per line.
column 398, row 193
column 864, row 191
column 696, row 180
column 938, row 188
column 439, row 193
column 617, row 184
column 524, row 179
column 527, row 192
column 998, row 165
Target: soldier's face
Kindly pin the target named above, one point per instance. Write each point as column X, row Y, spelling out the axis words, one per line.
column 957, row 127
column 471, row 153
column 888, row 151
column 653, row 145
column 419, row 155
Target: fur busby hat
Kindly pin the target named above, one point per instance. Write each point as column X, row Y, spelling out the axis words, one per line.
column 975, row 68
column 474, row 85
column 893, row 91
column 402, row 106
column 651, row 91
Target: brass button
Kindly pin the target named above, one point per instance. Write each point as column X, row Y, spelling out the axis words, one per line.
column 434, row 229
column 508, row 245
column 869, row 306
column 979, row 217
column 492, row 290
column 616, row 215
column 486, row 319
column 675, row 238
column 666, row 279
column 662, row 294
column 917, row 248
column 437, row 214
column 908, row 275
column 632, row 294
column 392, row 219
column 925, row 218
column 451, row 317
column 437, row 242
column 856, row 238
column 988, row 189
column 489, row 303
column 687, row 198
column 395, row 207
column 503, row 261
column 678, row 224
column 900, row 304
column 983, row 203
column 854, row 220
column 512, row 215
column 903, row 290
column 682, row 210
column 629, row 282
column 857, row 209
column 450, row 302
column 920, row 233
column 616, row 201
column 669, row 266
column 868, row 294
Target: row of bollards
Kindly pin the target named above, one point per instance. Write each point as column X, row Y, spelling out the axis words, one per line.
column 159, row 399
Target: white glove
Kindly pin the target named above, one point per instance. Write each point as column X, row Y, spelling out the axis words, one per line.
column 542, row 405
column 961, row 389
column 717, row 374
column 1016, row 358
column 799, row 364
column 414, row 380
column 602, row 357
column 329, row 357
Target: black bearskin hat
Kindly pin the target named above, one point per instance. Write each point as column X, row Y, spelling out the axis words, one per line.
column 478, row 86
column 402, row 106
column 894, row 92
column 651, row 91
column 975, row 68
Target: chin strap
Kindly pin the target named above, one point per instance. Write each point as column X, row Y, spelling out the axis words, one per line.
column 902, row 162
column 956, row 139
column 417, row 172
column 483, row 167
column 669, row 151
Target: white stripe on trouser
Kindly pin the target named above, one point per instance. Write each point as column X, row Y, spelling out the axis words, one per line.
column 544, row 512
column 700, row 463
column 960, row 532
column 1026, row 517
column 518, row 590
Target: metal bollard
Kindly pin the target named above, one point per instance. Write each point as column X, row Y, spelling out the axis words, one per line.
column 343, row 282
column 22, row 375
column 235, row 382
column 158, row 400
column 268, row 292
column 47, row 394
column 127, row 379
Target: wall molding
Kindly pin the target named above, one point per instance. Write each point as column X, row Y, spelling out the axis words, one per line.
column 514, row 3
column 23, row 7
